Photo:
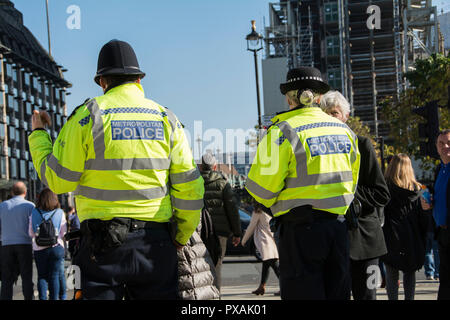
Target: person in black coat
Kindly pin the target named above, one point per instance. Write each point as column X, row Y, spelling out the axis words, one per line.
column 366, row 239
column 405, row 227
column 220, row 202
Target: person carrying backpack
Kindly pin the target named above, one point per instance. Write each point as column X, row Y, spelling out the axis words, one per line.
column 47, row 228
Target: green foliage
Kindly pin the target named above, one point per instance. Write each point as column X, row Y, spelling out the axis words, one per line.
column 428, row 82
column 363, row 130
column 359, row 127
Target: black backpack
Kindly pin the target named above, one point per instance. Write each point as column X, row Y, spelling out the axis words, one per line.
column 46, row 235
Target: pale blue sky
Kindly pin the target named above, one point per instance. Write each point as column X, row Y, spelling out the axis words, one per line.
column 193, row 52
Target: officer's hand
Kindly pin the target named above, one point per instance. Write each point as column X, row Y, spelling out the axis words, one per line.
column 235, row 241
column 40, row 119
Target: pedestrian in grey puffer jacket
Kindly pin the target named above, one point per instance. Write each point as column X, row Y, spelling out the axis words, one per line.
column 196, row 274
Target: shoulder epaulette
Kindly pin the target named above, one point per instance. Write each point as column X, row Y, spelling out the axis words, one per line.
column 272, row 124
column 75, row 110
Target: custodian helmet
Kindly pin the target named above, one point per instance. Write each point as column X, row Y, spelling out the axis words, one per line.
column 117, row 58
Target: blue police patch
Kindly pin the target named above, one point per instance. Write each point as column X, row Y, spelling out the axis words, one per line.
column 331, row 144
column 137, row 130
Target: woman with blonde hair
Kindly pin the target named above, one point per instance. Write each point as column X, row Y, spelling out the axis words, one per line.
column 405, row 227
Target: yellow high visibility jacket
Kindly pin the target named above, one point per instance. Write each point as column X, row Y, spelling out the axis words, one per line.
column 123, row 156
column 306, row 158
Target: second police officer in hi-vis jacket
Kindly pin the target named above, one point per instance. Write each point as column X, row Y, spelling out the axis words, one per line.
column 306, row 171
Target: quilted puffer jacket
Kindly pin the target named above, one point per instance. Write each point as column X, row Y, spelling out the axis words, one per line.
column 196, row 272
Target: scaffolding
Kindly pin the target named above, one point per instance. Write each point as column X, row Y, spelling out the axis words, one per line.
column 421, row 31
column 365, row 64
column 290, row 34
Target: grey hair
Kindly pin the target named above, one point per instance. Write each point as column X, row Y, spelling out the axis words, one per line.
column 208, row 161
column 335, row 99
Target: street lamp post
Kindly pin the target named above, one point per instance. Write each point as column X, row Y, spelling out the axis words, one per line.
column 199, row 141
column 254, row 44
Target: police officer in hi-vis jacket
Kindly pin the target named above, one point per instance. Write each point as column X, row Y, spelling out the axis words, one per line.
column 131, row 168
column 306, row 170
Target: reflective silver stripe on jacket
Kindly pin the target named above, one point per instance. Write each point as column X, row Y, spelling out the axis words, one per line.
column 183, row 177
column 304, row 179
column 127, row 164
column 62, row 172
column 182, row 204
column 327, row 203
column 43, row 169
column 122, row 195
column 100, row 163
column 260, row 191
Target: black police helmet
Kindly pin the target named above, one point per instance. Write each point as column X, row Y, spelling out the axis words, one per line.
column 117, row 58
column 304, row 78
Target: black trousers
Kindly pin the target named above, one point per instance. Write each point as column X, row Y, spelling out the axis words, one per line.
column 360, row 271
column 314, row 259
column 17, row 259
column 443, row 238
column 144, row 267
column 266, row 265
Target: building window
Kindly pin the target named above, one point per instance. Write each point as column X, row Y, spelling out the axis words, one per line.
column 14, row 74
column 23, row 169
column 26, row 79
column 28, row 109
column 18, row 138
column 8, row 68
column 11, row 134
column 34, row 83
column 33, row 174
column 9, row 101
column 12, row 168
column 333, row 48
column 16, row 105
column 334, row 79
column 47, row 91
column 3, row 166
column 331, row 12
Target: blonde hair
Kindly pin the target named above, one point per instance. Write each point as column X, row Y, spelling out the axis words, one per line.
column 401, row 173
column 295, row 96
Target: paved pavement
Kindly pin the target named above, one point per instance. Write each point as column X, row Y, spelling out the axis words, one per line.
column 241, row 276
column 240, row 279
